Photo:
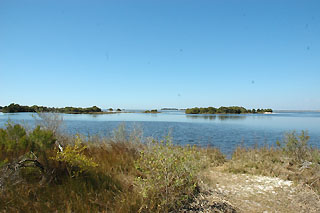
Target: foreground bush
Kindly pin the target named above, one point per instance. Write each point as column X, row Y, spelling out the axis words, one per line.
column 38, row 175
column 168, row 175
column 15, row 142
column 74, row 158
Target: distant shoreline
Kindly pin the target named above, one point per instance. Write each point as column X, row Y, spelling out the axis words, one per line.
column 14, row 108
column 287, row 110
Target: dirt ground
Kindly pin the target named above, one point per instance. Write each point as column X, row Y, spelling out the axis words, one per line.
column 227, row 192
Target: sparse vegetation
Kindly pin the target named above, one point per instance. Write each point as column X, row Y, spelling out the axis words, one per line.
column 292, row 159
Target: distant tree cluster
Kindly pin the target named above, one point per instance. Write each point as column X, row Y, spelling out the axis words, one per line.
column 151, row 111
column 18, row 108
column 224, row 110
column 111, row 110
column 69, row 110
column 79, row 110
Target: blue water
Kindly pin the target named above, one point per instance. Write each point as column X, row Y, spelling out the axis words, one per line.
column 222, row 131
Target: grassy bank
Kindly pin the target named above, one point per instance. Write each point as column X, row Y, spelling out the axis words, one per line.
column 44, row 171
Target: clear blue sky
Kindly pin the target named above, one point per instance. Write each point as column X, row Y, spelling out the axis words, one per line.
column 160, row 53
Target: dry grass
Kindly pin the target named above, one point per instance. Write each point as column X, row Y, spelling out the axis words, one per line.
column 111, row 186
column 128, row 171
column 275, row 163
column 285, row 178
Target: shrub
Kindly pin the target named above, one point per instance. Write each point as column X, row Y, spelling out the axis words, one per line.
column 14, row 141
column 296, row 146
column 169, row 175
column 14, row 137
column 73, row 156
column 42, row 139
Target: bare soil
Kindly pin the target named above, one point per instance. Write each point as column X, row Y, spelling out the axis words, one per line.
column 227, row 192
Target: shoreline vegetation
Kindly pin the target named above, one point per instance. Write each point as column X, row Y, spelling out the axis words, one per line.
column 151, row 111
column 15, row 108
column 225, row 110
column 44, row 170
column 112, row 110
column 12, row 108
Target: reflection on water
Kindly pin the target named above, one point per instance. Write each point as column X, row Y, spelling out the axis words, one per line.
column 94, row 115
column 220, row 117
column 210, row 117
column 231, row 117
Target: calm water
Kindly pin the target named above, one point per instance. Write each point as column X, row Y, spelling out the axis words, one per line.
column 223, row 131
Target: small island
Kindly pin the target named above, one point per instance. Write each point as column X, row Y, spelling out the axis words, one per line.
column 225, row 110
column 13, row 108
column 151, row 111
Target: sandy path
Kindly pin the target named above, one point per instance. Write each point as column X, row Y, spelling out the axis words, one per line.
column 226, row 192
column 250, row 193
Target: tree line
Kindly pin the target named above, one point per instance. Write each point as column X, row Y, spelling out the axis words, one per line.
column 12, row 108
column 151, row 111
column 225, row 110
